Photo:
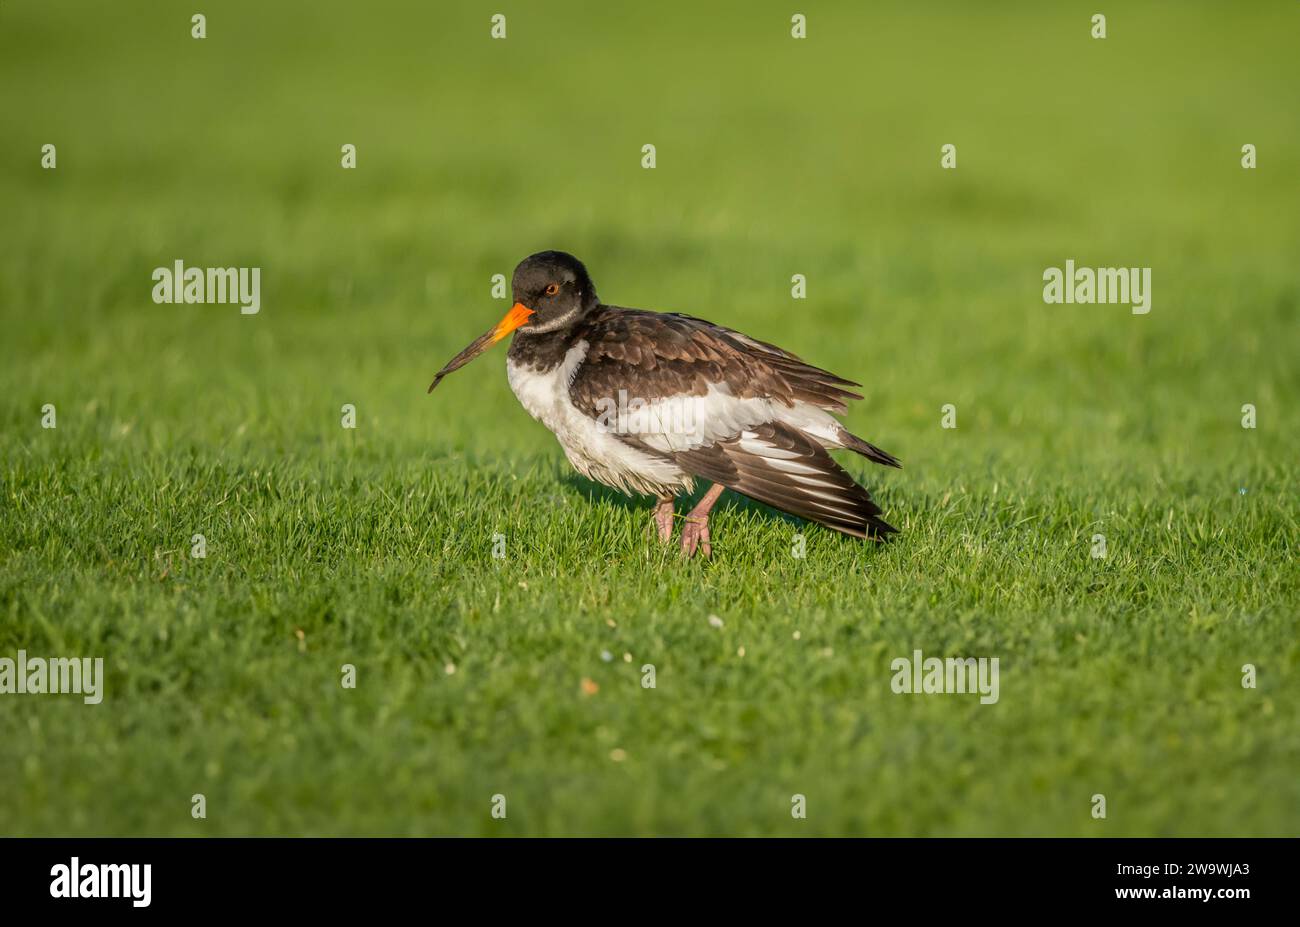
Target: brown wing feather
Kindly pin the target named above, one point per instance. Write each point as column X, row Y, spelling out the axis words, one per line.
column 781, row 467
column 652, row 354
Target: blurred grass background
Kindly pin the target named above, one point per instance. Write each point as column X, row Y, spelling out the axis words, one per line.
column 775, row 157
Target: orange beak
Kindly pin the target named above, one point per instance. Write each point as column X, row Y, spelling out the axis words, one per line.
column 517, row 316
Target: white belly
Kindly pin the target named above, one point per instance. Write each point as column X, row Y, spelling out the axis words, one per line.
column 597, row 453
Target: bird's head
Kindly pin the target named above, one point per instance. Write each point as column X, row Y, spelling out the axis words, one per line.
column 555, row 287
column 552, row 290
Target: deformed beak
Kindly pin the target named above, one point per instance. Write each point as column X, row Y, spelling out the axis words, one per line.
column 517, row 316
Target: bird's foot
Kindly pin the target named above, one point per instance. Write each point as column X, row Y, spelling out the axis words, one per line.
column 695, row 531
column 663, row 519
column 695, row 535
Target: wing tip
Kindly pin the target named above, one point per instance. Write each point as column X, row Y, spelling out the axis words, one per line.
column 831, row 498
column 868, row 450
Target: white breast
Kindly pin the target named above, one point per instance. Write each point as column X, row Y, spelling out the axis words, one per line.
column 595, row 452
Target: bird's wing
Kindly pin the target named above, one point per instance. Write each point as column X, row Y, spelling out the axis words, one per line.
column 666, row 382
column 784, row 468
column 804, row 384
column 648, row 353
column 689, row 383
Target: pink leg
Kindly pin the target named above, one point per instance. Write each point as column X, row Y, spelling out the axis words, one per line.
column 663, row 518
column 696, row 531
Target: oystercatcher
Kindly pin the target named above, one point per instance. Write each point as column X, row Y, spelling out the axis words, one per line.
column 648, row 402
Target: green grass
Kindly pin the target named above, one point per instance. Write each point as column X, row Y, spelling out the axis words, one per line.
column 373, row 547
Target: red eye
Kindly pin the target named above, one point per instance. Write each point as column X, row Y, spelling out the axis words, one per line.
column 552, row 289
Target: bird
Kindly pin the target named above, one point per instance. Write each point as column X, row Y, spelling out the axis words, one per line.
column 650, row 402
